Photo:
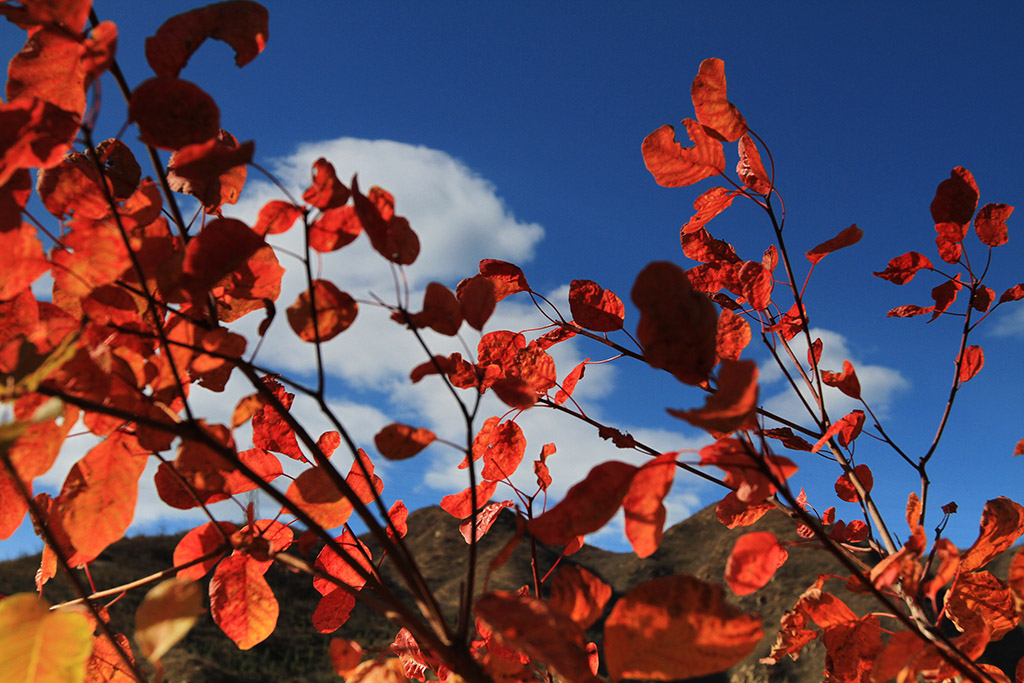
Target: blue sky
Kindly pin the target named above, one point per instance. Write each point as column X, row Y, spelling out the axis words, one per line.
column 515, row 133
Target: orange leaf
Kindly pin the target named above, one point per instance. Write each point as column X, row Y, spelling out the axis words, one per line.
column 753, row 562
column 733, row 512
column 594, row 307
column 990, row 224
column 213, row 171
column 644, row 505
column 733, row 406
column 642, row 635
column 718, row 115
column 399, row 441
column 220, row 249
column 756, row 284
column 484, row 521
column 241, row 602
column 50, row 67
column 97, row 502
column 460, row 506
column 200, row 541
column 750, row 169
column 673, row 165
column 587, row 506
column 678, row 326
column 708, row 205
column 532, row 627
column 21, row 260
column 845, row 488
column 166, row 615
column 335, row 312
column 744, row 470
column 1002, row 523
column 502, row 446
column 846, row 381
column 398, row 515
column 732, row 335
column 569, row 383
column 317, row 495
column 172, row 113
column 955, row 198
column 345, row 655
column 980, row 595
column 846, row 238
column 276, row 216
column 579, row 594
column 344, row 570
column 33, row 133
column 239, row 23
column 972, row 363
column 846, row 429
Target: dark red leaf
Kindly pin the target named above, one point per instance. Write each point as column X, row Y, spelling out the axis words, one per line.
column 902, row 269
column 846, row 238
column 172, row 113
column 955, row 198
column 335, row 312
column 846, row 381
column 990, row 224
column 326, row 192
column 594, row 307
column 845, row 488
column 733, row 406
column 399, row 441
column 972, row 363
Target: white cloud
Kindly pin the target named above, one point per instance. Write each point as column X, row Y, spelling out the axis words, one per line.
column 1009, row 324
column 879, row 384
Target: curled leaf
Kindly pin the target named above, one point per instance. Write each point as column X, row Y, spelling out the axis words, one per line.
column 673, row 165
column 719, row 116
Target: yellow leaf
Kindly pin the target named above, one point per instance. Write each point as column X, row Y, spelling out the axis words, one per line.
column 40, row 646
column 166, row 614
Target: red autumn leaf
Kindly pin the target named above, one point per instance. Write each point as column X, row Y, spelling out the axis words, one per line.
column 846, row 381
column 335, row 312
column 326, row 192
column 1015, row 293
column 594, row 307
column 1001, row 525
column 514, row 392
column 241, row 602
column 846, row 430
column 97, row 502
column 172, row 113
column 673, row 165
column 220, row 249
column 315, row 492
column 390, row 235
column 846, row 238
column 587, row 506
column 972, row 363
column 944, row 295
column 990, row 224
column 213, row 172
column 980, row 595
column 502, row 447
column 270, row 430
column 33, row 134
column 750, row 169
column 579, row 594
column 485, row 519
column 261, row 540
column 948, row 241
column 460, row 505
column 70, row 13
column 477, row 295
column 569, row 383
column 345, row 570
column 345, row 655
column 701, row 246
column 399, row 441
column 956, row 198
column 1019, row 448
column 534, row 366
column 732, row 336
column 644, row 505
column 441, row 310
column 756, row 284
column 733, row 405
column 788, row 438
column 530, row 626
column 642, row 635
column 276, row 216
column 200, row 541
column 908, row 311
column 499, row 348
column 50, row 67
column 507, row 278
column 982, row 298
column 753, row 562
column 845, row 488
column 361, row 478
column 21, row 260
column 745, row 471
column 708, row 205
column 902, row 269
column 733, row 512
column 335, row 228
column 678, row 326
column 718, row 115
column 398, row 516
column 239, row 23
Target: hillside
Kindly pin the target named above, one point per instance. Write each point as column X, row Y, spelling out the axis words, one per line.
column 295, row 652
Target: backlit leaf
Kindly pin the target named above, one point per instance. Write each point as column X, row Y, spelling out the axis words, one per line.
column 678, row 326
column 344, row 570
column 507, row 278
column 990, row 224
column 845, row 488
column 972, row 363
column 846, row 381
column 21, row 260
column 587, row 506
column 333, row 610
column 485, row 519
column 745, row 470
column 532, row 627
column 49, row 67
column 326, row 192
column 955, row 198
column 902, row 269
column 753, row 562
column 477, row 295
column 220, row 249
column 944, row 295
column 33, row 134
column 718, row 115
column 708, row 205
column 345, row 655
column 40, row 645
column 276, row 216
column 241, row 602
column 980, row 595
column 569, row 383
column 459, row 505
column 166, row 614
column 1001, row 525
column 213, row 171
column 335, row 312
column 849, row 236
column 399, row 441
column 200, row 541
column 502, row 447
column 579, row 594
column 644, row 505
column 750, row 169
column 319, row 497
column 172, row 113
column 845, row 430
column 643, row 633
column 441, row 311
column 239, row 23
column 733, row 405
column 673, row 165
column 908, row 311
column 594, row 307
